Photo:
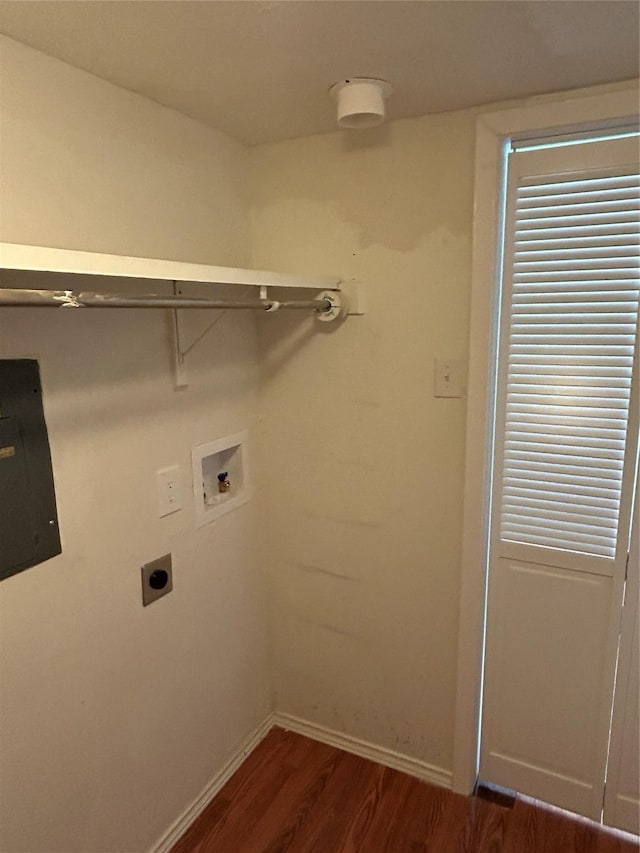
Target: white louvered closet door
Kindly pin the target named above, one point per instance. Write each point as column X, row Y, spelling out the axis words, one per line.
column 564, row 461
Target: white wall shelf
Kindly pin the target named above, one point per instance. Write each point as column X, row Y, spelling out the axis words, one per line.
column 328, row 305
column 14, row 256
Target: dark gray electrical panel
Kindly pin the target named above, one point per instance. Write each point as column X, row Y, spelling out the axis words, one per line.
column 28, row 517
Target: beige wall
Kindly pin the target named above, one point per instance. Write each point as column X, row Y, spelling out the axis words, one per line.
column 90, row 166
column 362, row 468
column 115, row 717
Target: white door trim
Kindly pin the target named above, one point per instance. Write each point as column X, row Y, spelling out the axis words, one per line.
column 622, row 803
column 491, row 132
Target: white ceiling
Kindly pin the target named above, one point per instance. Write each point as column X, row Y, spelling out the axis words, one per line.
column 260, row 71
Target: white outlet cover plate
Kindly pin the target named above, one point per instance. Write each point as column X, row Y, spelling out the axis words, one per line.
column 169, row 490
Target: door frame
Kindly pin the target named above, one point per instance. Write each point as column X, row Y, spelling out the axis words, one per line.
column 537, row 116
column 621, row 810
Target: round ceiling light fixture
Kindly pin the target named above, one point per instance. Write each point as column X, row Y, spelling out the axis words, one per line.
column 360, row 101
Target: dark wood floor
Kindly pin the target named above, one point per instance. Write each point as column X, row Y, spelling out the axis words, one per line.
column 294, row 795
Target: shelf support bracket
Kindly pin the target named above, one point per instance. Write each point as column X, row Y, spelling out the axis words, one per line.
column 181, row 379
column 180, row 349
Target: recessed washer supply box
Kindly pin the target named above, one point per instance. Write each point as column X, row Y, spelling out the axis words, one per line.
column 220, row 476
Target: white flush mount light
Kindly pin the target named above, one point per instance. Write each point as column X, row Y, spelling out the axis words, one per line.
column 360, row 101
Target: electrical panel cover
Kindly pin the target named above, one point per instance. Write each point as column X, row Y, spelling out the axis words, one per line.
column 28, row 516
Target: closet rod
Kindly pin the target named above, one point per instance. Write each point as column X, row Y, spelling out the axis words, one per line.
column 16, row 297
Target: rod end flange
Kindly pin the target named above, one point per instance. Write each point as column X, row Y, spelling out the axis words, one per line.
column 336, row 309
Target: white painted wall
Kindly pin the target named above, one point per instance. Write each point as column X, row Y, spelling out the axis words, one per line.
column 115, row 717
column 361, row 467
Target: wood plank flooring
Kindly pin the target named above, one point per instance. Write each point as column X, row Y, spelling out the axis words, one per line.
column 295, row 795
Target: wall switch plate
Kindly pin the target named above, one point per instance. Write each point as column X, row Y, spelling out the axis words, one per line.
column 157, row 579
column 169, row 490
column 447, row 377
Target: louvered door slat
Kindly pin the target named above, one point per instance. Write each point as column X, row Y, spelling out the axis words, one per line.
column 573, row 313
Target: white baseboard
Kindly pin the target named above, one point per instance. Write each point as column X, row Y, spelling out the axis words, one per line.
column 365, row 749
column 180, row 826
